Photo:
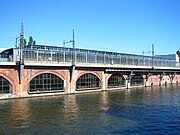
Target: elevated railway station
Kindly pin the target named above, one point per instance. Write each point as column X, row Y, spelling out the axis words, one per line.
column 38, row 70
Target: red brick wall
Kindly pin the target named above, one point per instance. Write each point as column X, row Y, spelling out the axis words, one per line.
column 29, row 74
column 12, row 76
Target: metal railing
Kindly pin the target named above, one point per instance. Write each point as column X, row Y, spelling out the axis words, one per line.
column 89, row 57
column 95, row 57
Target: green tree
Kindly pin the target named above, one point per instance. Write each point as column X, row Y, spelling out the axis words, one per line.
column 25, row 42
column 30, row 40
column 178, row 53
column 34, row 42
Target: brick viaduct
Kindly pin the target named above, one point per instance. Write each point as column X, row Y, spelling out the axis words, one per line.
column 19, row 76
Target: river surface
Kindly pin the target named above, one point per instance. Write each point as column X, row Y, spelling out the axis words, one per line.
column 136, row 111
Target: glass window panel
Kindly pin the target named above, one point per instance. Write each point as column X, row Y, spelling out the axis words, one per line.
column 46, row 82
column 5, row 86
column 116, row 80
column 137, row 80
column 87, row 81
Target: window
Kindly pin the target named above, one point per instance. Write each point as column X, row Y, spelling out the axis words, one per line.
column 5, row 86
column 46, row 83
column 88, row 81
column 137, row 80
column 116, row 80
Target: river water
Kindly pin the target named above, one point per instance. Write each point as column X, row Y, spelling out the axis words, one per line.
column 136, row 111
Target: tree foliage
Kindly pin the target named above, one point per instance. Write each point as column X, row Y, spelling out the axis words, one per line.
column 34, row 42
column 178, row 53
column 31, row 41
column 25, row 42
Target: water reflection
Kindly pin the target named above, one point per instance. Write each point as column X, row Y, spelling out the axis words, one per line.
column 109, row 112
column 104, row 101
column 70, row 109
column 20, row 114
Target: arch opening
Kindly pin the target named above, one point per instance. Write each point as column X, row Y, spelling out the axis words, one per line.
column 46, row 83
column 88, row 81
column 116, row 80
column 137, row 80
column 5, row 86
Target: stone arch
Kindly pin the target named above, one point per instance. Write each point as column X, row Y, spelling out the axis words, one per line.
column 52, row 82
column 176, row 79
column 46, row 72
column 153, row 80
column 126, row 77
column 137, row 80
column 88, row 80
column 89, row 72
column 116, row 80
column 10, row 81
column 165, row 80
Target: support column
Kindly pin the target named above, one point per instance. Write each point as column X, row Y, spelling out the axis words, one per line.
column 161, row 80
column 104, row 81
column 65, row 84
column 145, row 80
column 149, row 80
column 128, row 80
column 20, row 75
column 72, row 80
column 171, row 78
column 128, row 83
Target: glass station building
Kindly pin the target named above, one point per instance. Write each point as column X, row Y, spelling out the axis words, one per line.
column 64, row 54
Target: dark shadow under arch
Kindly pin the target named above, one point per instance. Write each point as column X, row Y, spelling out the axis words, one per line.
column 137, row 80
column 116, row 80
column 88, row 81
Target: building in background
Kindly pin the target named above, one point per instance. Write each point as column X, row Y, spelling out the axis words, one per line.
column 2, row 49
column 168, row 56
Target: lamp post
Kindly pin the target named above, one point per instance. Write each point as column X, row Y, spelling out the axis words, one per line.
column 16, row 41
column 152, row 51
column 73, row 48
column 152, row 55
column 145, row 53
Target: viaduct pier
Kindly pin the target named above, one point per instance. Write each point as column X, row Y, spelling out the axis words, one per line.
column 39, row 70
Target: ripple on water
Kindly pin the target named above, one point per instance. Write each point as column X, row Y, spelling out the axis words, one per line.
column 136, row 111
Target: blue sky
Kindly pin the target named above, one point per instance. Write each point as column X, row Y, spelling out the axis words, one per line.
column 129, row 26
